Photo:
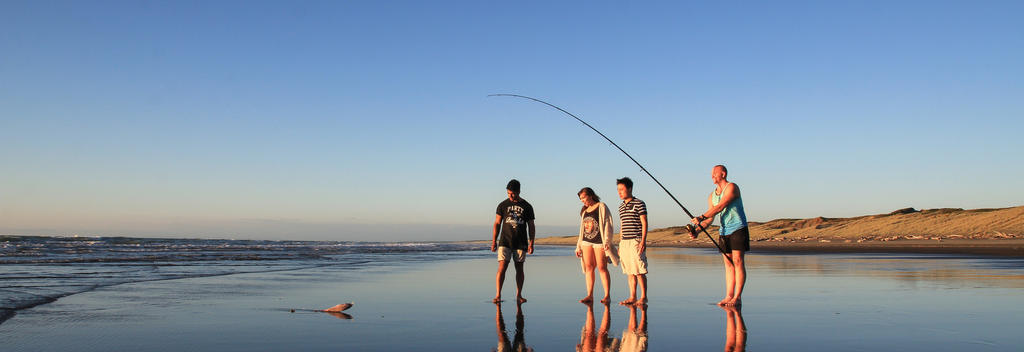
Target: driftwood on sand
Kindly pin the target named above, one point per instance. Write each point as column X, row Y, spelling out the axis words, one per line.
column 334, row 311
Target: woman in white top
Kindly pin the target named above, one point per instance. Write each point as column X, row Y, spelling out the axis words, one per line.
column 594, row 246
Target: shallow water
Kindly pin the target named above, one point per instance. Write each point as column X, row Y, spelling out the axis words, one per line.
column 415, row 301
column 37, row 270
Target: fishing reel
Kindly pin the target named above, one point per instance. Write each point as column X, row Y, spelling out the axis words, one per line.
column 693, row 230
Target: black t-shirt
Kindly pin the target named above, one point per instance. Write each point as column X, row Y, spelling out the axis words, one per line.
column 592, row 227
column 514, row 216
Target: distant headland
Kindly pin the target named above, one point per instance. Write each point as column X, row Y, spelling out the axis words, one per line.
column 947, row 230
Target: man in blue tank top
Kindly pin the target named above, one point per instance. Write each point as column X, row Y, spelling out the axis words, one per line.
column 733, row 234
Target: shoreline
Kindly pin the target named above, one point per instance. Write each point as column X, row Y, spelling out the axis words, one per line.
column 988, row 247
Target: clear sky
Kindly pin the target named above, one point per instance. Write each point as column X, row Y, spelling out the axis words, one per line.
column 368, row 120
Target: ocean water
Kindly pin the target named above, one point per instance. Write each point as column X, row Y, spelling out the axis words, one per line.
column 37, row 270
column 199, row 295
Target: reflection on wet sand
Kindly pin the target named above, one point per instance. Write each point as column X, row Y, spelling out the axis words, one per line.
column 735, row 329
column 340, row 315
column 591, row 341
column 519, row 342
column 634, row 337
column 951, row 270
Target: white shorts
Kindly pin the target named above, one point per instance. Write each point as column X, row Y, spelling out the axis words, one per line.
column 633, row 341
column 505, row 253
column 591, row 245
column 633, row 262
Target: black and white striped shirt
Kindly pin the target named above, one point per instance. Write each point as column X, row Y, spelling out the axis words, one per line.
column 629, row 216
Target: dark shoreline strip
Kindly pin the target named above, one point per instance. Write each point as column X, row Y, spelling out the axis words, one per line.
column 1006, row 250
column 6, row 314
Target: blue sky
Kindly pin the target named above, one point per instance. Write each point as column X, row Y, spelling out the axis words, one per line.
column 368, row 120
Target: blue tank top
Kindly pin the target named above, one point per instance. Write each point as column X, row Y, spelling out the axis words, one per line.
column 732, row 218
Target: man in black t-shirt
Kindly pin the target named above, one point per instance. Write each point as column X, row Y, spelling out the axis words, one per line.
column 513, row 220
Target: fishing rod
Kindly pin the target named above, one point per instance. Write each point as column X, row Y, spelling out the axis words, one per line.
column 701, row 228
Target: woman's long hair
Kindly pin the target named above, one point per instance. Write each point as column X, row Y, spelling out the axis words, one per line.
column 593, row 196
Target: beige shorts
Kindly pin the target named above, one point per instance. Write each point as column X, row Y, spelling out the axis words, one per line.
column 632, row 262
column 593, row 245
column 633, row 341
column 505, row 253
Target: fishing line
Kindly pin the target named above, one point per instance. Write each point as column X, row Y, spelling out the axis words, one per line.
column 702, row 229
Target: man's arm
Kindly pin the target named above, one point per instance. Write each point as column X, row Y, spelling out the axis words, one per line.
column 703, row 224
column 533, row 234
column 697, row 219
column 728, row 195
column 494, row 237
column 643, row 232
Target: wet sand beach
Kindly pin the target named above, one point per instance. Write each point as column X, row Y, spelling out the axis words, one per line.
column 842, row 302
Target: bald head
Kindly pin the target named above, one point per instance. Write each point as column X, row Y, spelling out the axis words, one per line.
column 718, row 174
column 721, row 168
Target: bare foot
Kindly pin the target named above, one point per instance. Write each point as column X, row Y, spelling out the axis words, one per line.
column 628, row 302
column 587, row 299
column 522, row 299
column 497, row 299
column 606, row 300
column 724, row 301
column 642, row 302
column 733, row 302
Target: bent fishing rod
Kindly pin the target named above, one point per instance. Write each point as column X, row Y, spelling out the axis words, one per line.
column 701, row 228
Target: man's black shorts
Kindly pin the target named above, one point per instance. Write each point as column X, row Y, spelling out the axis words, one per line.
column 737, row 240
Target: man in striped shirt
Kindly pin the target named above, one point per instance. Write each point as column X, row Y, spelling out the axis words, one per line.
column 633, row 244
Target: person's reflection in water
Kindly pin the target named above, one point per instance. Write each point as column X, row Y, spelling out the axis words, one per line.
column 591, row 341
column 735, row 329
column 634, row 337
column 519, row 342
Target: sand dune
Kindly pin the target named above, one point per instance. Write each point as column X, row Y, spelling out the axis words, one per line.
column 943, row 227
